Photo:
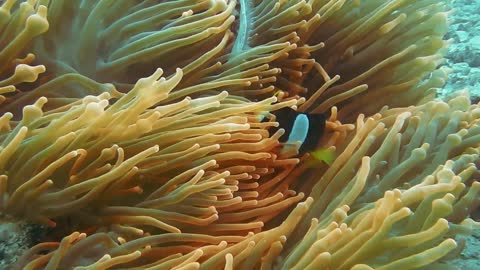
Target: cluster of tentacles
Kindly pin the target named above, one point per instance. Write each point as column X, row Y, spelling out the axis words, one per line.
column 182, row 172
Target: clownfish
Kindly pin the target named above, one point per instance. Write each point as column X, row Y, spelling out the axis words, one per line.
column 303, row 130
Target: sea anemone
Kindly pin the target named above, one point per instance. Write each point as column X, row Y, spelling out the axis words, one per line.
column 132, row 170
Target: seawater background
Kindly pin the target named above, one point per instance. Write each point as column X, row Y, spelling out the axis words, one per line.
column 463, row 58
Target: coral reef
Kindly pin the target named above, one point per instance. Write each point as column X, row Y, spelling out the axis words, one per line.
column 463, row 57
column 138, row 132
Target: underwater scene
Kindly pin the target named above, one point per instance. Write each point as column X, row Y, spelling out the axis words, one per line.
column 239, row 134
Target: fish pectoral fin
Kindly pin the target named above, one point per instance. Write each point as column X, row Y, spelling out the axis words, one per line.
column 291, row 148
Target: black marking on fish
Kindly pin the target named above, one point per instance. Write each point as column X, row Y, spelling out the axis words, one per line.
column 286, row 118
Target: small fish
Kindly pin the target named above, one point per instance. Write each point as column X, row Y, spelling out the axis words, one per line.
column 303, row 128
